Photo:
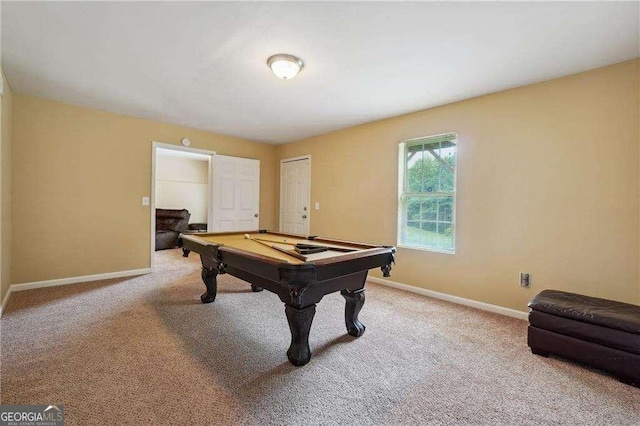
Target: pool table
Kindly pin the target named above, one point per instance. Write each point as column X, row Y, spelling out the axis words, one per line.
column 299, row 269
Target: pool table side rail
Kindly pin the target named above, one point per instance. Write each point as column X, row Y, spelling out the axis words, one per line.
column 297, row 236
column 201, row 244
column 350, row 263
column 361, row 247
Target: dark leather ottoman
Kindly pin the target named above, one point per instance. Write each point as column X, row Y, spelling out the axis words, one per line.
column 597, row 332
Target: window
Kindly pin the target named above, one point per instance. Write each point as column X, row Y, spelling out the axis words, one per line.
column 427, row 192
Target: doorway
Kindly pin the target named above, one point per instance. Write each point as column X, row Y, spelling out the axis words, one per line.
column 181, row 185
column 295, row 195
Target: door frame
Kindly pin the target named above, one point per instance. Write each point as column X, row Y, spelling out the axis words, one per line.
column 288, row 160
column 152, row 197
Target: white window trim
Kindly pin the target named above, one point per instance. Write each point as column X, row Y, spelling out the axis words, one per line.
column 401, row 212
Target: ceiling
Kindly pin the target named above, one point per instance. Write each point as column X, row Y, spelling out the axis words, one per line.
column 203, row 65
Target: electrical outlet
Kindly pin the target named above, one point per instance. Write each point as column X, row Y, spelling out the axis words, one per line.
column 145, row 201
column 525, row 279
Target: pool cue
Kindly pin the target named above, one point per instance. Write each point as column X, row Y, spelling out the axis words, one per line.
column 342, row 249
column 274, row 241
column 290, row 253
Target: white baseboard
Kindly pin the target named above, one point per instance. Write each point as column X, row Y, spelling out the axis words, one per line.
column 422, row 291
column 72, row 280
column 454, row 299
column 5, row 301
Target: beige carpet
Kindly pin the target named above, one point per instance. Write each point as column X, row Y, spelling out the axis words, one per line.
column 144, row 350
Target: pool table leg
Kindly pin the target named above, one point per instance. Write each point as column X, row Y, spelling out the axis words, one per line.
column 355, row 301
column 300, row 320
column 209, row 277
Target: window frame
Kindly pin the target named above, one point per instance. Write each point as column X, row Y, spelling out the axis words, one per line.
column 403, row 195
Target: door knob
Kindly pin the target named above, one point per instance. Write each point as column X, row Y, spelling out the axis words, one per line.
column 255, row 215
column 304, row 216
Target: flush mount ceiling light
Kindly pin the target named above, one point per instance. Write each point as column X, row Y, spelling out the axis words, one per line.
column 285, row 66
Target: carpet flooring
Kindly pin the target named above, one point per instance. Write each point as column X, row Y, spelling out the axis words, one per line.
column 144, row 350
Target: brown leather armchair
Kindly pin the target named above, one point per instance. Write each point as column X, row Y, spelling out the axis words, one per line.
column 169, row 225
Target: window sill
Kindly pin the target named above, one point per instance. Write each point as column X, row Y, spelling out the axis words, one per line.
column 428, row 249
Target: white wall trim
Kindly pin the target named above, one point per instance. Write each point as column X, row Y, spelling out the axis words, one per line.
column 71, row 280
column 152, row 197
column 454, row 299
column 5, row 301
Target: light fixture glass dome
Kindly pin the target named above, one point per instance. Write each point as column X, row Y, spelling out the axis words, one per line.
column 285, row 66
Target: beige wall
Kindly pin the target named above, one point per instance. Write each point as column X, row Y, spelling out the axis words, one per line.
column 548, row 182
column 6, row 108
column 79, row 175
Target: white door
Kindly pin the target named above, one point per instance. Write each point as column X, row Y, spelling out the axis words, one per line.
column 236, row 192
column 295, row 209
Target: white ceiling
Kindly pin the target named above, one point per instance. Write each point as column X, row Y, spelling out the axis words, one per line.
column 202, row 65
